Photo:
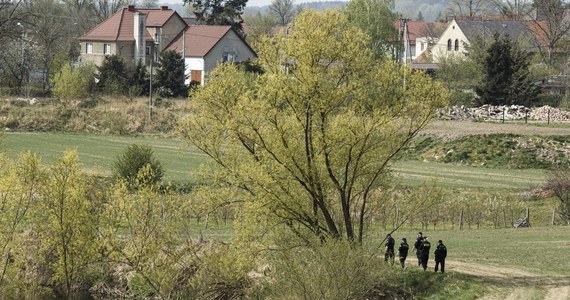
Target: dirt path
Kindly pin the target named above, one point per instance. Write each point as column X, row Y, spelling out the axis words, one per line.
column 461, row 128
column 507, row 283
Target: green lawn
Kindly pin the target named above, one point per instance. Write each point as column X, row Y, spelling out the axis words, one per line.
column 452, row 175
column 543, row 250
column 97, row 153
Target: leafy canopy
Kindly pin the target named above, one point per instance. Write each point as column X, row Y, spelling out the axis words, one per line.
column 305, row 147
column 376, row 19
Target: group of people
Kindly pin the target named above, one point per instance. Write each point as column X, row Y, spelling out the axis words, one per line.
column 422, row 247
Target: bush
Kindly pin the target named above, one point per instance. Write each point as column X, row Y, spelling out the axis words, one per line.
column 552, row 100
column 73, row 84
column 128, row 165
column 460, row 98
column 334, row 270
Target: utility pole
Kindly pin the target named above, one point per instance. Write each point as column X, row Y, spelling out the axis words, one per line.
column 153, row 53
column 406, row 38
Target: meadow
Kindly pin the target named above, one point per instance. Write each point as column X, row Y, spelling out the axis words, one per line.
column 503, row 262
column 97, row 153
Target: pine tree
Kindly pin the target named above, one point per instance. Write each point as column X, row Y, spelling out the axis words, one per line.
column 505, row 80
column 220, row 12
column 170, row 76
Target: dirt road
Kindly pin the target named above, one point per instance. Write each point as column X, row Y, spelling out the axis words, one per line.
column 507, row 283
column 462, row 128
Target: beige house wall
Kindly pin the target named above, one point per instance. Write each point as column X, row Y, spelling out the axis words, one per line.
column 170, row 31
column 124, row 50
column 453, row 33
column 231, row 39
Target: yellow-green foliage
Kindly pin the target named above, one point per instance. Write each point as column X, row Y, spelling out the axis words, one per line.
column 73, row 83
column 335, row 270
column 19, row 182
column 142, row 229
column 308, row 143
column 65, row 222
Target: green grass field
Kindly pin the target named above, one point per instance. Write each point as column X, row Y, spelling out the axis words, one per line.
column 97, row 153
column 541, row 250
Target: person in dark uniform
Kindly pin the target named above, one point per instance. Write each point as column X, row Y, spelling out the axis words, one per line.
column 389, row 251
column 417, row 246
column 403, row 252
column 440, row 254
column 425, row 247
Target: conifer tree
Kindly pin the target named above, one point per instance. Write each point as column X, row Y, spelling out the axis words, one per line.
column 506, row 75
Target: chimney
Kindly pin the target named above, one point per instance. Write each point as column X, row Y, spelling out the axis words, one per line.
column 139, row 33
column 131, row 8
column 164, row 8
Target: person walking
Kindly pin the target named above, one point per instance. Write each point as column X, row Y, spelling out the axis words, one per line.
column 403, row 252
column 389, row 249
column 417, row 246
column 440, row 254
column 425, row 247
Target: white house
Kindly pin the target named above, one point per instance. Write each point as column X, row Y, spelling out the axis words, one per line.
column 204, row 47
column 461, row 33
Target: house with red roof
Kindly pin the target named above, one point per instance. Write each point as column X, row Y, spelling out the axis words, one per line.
column 205, row 46
column 137, row 34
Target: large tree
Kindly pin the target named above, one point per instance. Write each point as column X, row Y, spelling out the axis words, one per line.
column 552, row 23
column 219, row 12
column 282, row 10
column 469, row 9
column 11, row 13
column 513, row 9
column 306, row 146
column 51, row 33
column 376, row 19
column 506, row 74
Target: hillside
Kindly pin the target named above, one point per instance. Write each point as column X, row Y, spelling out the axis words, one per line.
column 430, row 9
column 494, row 145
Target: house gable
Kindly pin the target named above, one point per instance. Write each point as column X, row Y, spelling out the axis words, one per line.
column 451, row 42
column 467, row 31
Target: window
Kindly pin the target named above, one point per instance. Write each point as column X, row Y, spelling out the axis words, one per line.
column 421, row 46
column 449, row 45
column 229, row 54
column 456, row 45
column 147, row 50
column 88, row 48
column 107, row 49
column 156, row 38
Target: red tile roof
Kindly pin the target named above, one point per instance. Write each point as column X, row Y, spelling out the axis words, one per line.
column 120, row 26
column 539, row 29
column 418, row 29
column 198, row 39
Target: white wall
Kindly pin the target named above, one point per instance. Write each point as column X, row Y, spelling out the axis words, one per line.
column 193, row 63
column 453, row 33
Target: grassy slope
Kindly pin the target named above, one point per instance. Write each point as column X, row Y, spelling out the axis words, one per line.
column 97, row 153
